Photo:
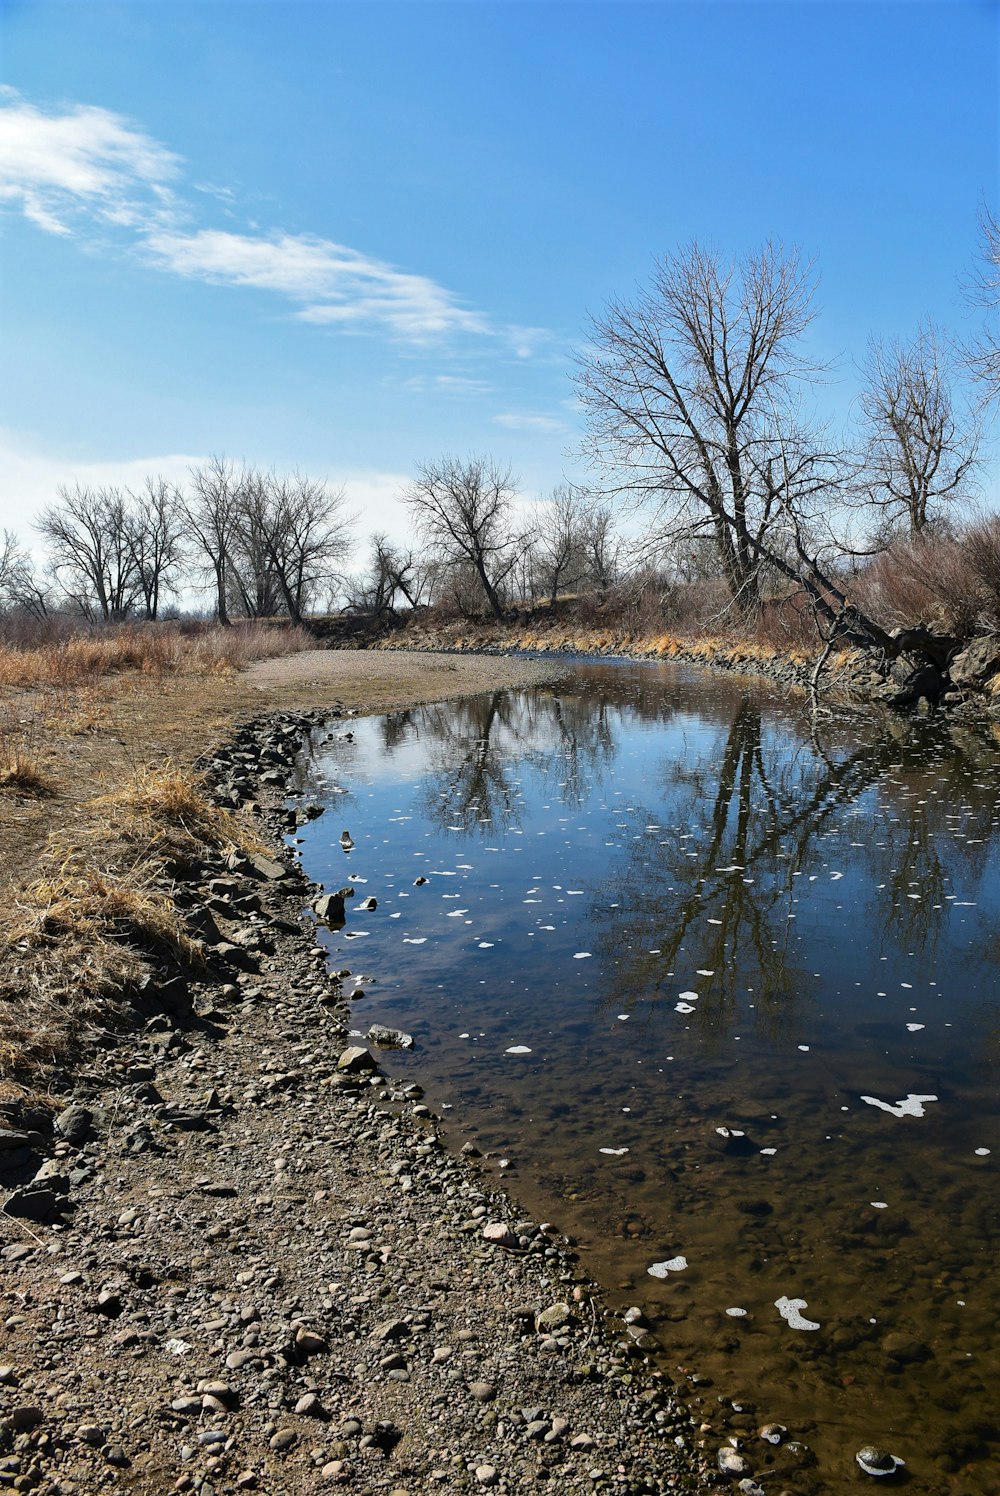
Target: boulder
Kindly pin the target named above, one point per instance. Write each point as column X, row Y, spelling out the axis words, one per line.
column 977, row 663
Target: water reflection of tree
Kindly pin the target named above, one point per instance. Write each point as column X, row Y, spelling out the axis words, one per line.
column 478, row 748
column 752, row 816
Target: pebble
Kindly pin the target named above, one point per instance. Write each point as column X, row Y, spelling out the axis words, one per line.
column 283, row 1439
column 487, row 1475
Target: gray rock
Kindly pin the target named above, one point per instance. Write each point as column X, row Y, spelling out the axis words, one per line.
column 389, row 1038
column 266, row 868
column 977, row 663
column 309, row 1406
column 43, row 1206
column 75, row 1124
column 499, row 1234
column 356, row 1061
column 329, row 907
column 555, row 1317
column 731, row 1462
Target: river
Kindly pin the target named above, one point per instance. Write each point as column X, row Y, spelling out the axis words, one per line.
column 716, row 982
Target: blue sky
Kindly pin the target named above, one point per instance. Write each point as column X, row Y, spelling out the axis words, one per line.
column 354, row 237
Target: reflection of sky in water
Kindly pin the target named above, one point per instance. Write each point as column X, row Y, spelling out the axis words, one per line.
column 700, row 973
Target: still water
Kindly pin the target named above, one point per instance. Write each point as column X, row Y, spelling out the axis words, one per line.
column 722, row 984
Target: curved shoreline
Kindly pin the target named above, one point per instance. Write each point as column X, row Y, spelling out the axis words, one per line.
column 248, row 1264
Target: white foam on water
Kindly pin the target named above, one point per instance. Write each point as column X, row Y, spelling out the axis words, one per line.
column 769, row 1152
column 804, row 1048
column 914, row 1028
column 613, row 1152
column 689, row 997
column 582, row 956
column 879, row 1204
column 410, row 939
column 789, row 1309
column 624, row 1017
column 982, row 1153
column 486, row 945
column 663, row 1269
column 835, row 876
column 910, row 1106
column 518, row 1049
column 705, row 973
column 737, row 1313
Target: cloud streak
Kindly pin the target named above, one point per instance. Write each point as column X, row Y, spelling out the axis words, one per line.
column 85, row 162
column 81, row 167
column 332, row 284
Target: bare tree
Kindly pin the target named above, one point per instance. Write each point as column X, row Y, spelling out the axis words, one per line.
column 20, row 586
column 88, row 543
column 153, row 537
column 919, row 449
column 687, row 389
column 982, row 354
column 253, row 586
column 210, row 512
column 464, row 512
column 602, row 547
column 392, row 573
column 558, row 545
column 306, row 530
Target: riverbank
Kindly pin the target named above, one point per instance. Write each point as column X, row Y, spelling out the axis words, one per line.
column 236, row 1257
column 969, row 686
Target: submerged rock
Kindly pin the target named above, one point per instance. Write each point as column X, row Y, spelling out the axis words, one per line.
column 877, row 1462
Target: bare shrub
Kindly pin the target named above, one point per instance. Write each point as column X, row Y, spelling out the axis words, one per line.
column 951, row 582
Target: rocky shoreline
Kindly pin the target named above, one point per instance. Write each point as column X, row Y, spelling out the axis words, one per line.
column 964, row 689
column 242, row 1259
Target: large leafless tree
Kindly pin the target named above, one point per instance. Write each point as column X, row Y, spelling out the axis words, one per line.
column 153, row 536
column 464, row 512
column 210, row 516
column 920, row 449
column 689, row 389
column 559, row 542
column 86, row 532
column 306, row 531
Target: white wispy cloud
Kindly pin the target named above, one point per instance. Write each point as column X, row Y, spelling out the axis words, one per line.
column 84, row 160
column 331, row 283
column 447, row 384
column 82, row 166
column 514, row 421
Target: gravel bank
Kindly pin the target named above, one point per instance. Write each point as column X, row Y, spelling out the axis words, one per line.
column 241, row 1259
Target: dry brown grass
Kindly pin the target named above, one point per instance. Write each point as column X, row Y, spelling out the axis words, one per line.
column 81, row 936
column 76, row 942
column 155, row 650
column 163, row 810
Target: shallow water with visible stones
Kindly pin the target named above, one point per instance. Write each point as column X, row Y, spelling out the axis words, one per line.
column 721, row 982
